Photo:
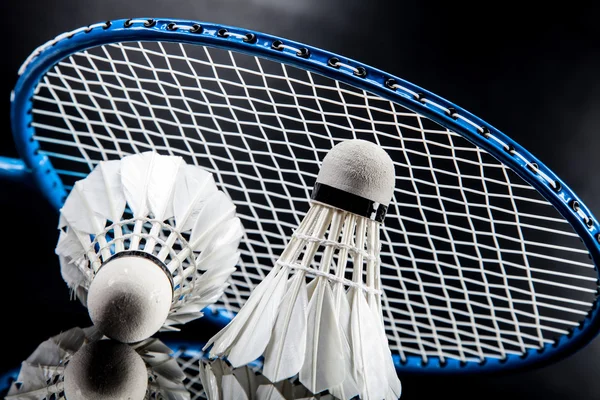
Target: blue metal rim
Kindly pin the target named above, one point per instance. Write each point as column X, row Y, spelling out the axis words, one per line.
column 353, row 73
column 7, row 379
column 14, row 170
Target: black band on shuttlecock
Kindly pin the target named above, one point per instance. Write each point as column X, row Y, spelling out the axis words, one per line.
column 147, row 256
column 349, row 202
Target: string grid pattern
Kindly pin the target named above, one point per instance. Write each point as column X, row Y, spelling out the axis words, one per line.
column 474, row 262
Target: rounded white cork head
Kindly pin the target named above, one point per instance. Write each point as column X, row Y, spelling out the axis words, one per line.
column 105, row 370
column 361, row 168
column 129, row 298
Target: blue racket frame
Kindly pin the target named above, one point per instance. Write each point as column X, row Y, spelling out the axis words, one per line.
column 345, row 70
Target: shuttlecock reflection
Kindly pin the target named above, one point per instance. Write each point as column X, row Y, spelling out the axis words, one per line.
column 81, row 364
column 222, row 382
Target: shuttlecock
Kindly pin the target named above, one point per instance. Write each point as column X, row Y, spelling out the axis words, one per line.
column 330, row 332
column 138, row 269
column 81, row 364
column 222, row 382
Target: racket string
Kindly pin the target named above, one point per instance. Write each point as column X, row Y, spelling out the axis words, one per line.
column 475, row 264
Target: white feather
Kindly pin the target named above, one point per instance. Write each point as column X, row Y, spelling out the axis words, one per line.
column 92, row 334
column 95, row 199
column 48, row 353
column 209, row 381
column 300, row 392
column 256, row 333
column 169, row 374
column 223, row 242
column 31, row 383
column 232, row 390
column 284, row 355
column 268, row 392
column 349, row 388
column 366, row 346
column 150, row 346
column 79, row 212
column 161, row 185
column 168, row 326
column 70, row 245
column 394, row 384
column 71, row 273
column 249, row 380
column 171, row 390
column 261, row 307
column 72, row 339
column 104, row 182
column 324, row 352
column 136, row 171
column 194, row 186
column 216, row 277
column 211, row 284
column 185, row 314
column 222, row 341
column 219, row 368
column 212, row 296
column 162, row 363
column 286, row 387
column 217, row 209
column 310, row 288
column 62, row 221
column 73, row 264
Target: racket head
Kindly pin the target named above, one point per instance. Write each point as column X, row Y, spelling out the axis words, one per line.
column 348, row 72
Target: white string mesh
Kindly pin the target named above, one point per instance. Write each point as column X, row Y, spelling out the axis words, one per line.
column 475, row 263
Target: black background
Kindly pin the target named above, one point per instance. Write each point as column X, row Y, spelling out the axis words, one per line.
column 531, row 71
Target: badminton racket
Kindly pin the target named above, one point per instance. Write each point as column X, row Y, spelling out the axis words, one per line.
column 488, row 259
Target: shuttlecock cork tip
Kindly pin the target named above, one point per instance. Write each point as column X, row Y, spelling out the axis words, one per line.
column 129, row 298
column 360, row 168
column 105, row 370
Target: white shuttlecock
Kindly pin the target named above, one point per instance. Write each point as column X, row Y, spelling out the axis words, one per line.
column 330, row 331
column 80, row 364
column 138, row 269
column 221, row 382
